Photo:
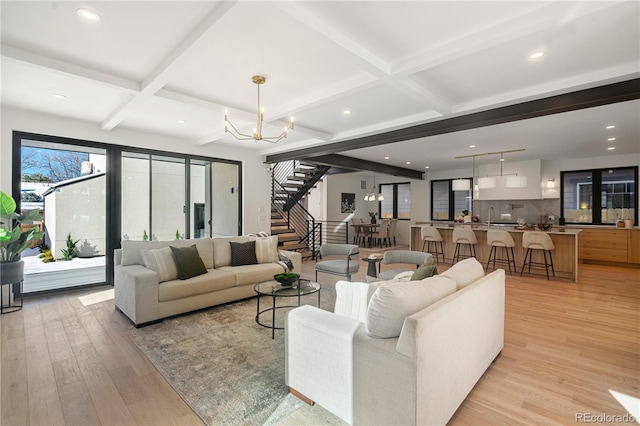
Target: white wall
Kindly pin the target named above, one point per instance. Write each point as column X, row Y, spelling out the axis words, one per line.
column 256, row 197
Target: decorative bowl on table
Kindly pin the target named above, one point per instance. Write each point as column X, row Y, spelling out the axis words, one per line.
column 286, row 279
column 544, row 226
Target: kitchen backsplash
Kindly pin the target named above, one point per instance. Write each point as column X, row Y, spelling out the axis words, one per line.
column 507, row 211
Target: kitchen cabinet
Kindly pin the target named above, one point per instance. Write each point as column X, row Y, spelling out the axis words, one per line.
column 612, row 245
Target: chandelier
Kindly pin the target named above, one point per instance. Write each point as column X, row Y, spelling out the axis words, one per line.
column 257, row 131
column 374, row 195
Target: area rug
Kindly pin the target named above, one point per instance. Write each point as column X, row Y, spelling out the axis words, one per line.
column 223, row 364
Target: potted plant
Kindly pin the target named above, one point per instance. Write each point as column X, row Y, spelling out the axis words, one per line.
column 372, row 215
column 286, row 279
column 466, row 217
column 13, row 241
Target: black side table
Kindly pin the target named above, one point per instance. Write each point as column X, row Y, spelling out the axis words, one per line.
column 371, row 269
column 12, row 304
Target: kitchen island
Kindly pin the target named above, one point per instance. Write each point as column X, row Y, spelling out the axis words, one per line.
column 565, row 255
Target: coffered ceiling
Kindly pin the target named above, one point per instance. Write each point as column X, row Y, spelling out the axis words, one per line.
column 173, row 67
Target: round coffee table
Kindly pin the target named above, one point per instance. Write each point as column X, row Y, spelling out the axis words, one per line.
column 274, row 289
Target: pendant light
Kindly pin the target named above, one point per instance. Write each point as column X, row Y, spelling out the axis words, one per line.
column 374, row 195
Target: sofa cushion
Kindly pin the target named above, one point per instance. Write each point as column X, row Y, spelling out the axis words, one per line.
column 162, row 262
column 222, row 250
column 424, row 271
column 254, row 274
column 132, row 250
column 267, row 249
column 465, row 272
column 213, row 280
column 392, row 303
column 188, row 261
column 243, row 253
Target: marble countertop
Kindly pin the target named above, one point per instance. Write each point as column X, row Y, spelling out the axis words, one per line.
column 506, row 227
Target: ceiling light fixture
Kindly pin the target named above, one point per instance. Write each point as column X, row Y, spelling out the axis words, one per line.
column 257, row 132
column 374, row 194
column 386, row 157
column 182, row 121
column 610, row 127
column 58, row 96
column 611, row 139
column 89, row 15
column 408, row 162
column 347, row 112
column 536, row 55
column 489, row 182
column 472, row 146
column 426, row 167
column 611, row 148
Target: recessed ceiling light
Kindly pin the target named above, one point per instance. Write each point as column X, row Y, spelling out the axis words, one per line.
column 611, row 139
column 89, row 15
column 610, row 127
column 536, row 55
column 346, row 112
column 182, row 121
column 426, row 167
column 472, row 146
column 611, row 148
column 58, row 96
column 408, row 162
column 386, row 157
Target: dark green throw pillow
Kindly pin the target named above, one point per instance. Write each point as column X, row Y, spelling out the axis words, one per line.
column 424, row 271
column 243, row 253
column 188, row 261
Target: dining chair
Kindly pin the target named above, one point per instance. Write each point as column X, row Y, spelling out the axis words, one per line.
column 393, row 230
column 382, row 235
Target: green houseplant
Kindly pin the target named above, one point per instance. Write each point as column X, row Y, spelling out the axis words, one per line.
column 372, row 215
column 13, row 241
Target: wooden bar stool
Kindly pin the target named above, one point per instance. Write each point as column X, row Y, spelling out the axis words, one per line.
column 501, row 239
column 464, row 237
column 430, row 235
column 536, row 240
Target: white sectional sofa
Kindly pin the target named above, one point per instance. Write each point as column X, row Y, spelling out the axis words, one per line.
column 143, row 296
column 402, row 353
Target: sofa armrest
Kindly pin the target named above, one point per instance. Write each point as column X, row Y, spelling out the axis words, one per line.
column 136, row 293
column 296, row 260
column 319, row 358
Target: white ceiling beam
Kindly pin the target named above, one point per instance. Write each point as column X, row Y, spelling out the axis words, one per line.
column 546, row 16
column 361, row 55
column 69, row 70
column 165, row 71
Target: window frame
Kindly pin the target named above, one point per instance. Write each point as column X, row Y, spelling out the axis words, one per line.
column 394, row 185
column 452, row 199
column 596, row 182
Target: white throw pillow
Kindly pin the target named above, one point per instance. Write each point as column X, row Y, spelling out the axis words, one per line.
column 267, row 249
column 465, row 272
column 392, row 303
column 162, row 262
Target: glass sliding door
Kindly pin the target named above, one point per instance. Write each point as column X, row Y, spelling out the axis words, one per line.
column 67, row 183
column 136, row 196
column 225, row 193
column 199, row 199
column 168, row 208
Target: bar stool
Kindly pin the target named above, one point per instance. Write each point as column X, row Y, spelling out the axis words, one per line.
column 430, row 235
column 536, row 240
column 501, row 239
column 464, row 237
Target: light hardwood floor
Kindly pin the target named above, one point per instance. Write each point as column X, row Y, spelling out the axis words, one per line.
column 567, row 345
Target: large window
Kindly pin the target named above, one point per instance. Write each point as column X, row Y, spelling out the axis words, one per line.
column 599, row 196
column 447, row 203
column 397, row 201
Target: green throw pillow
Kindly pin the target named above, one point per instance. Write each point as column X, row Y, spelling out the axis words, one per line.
column 243, row 253
column 424, row 271
column 188, row 261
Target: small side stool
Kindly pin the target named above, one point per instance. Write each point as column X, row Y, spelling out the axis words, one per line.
column 464, row 237
column 537, row 240
column 503, row 240
column 431, row 236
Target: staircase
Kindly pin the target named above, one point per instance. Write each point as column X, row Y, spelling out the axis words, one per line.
column 290, row 221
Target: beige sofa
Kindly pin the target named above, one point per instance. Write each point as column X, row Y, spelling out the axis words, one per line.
column 143, row 297
column 402, row 353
